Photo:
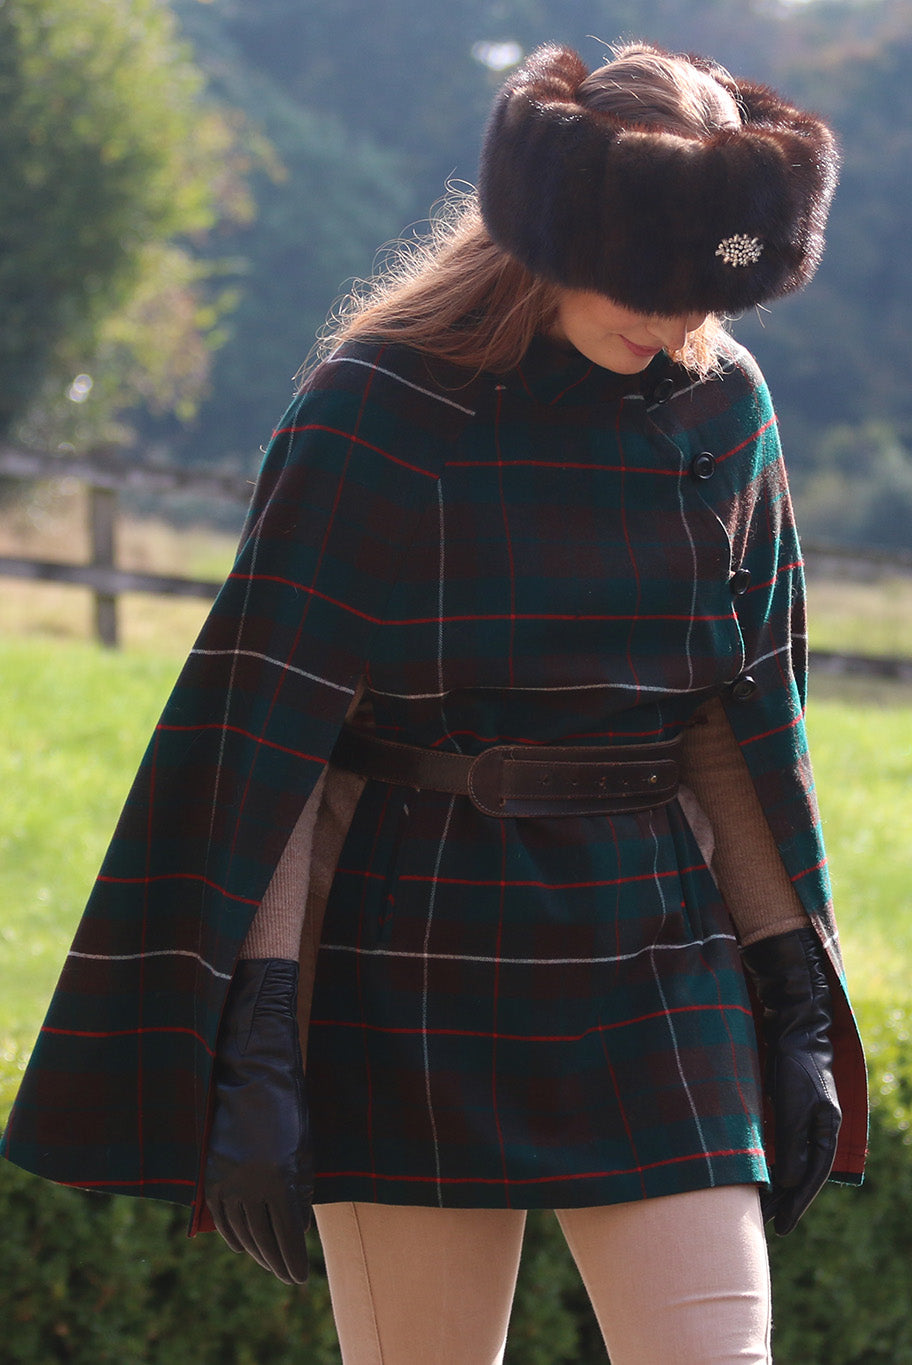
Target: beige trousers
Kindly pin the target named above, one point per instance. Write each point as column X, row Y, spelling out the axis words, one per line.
column 678, row 1280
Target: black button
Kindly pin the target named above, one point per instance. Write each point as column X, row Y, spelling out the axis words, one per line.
column 663, row 390
column 743, row 688
column 703, row 466
column 739, row 582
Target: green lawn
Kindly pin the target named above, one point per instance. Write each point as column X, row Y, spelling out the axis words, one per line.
column 76, row 719
column 75, row 723
column 861, row 741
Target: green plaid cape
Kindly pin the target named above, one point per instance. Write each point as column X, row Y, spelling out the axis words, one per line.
column 508, row 1013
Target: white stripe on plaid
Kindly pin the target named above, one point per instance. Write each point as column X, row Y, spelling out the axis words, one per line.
column 441, row 581
column 157, row 952
column 440, row 586
column 678, row 393
column 424, row 1000
column 762, row 658
column 489, row 959
column 568, row 687
column 278, row 663
column 229, row 686
column 668, row 1018
column 351, row 360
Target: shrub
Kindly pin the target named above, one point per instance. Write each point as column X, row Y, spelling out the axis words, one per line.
column 842, row 1281
column 100, row 1280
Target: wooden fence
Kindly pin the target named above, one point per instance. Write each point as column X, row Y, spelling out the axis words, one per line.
column 106, row 474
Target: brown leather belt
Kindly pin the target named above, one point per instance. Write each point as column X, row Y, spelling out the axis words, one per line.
column 523, row 780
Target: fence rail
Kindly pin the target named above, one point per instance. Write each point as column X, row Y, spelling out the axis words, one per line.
column 105, row 474
column 107, row 468
column 110, row 582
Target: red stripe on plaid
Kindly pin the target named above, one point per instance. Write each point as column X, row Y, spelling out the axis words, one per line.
column 570, row 387
column 247, row 734
column 497, row 1036
column 783, row 568
column 180, row 877
column 127, row 1033
column 777, row 730
column 621, row 1109
column 347, row 435
column 557, row 616
column 305, row 588
column 568, row 464
column 437, row 619
column 546, row 886
column 806, row 872
column 543, row 1179
column 749, row 439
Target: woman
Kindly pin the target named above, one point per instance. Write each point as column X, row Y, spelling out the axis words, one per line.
column 521, row 564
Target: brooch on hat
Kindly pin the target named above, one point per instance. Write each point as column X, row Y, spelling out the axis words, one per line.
column 740, row 249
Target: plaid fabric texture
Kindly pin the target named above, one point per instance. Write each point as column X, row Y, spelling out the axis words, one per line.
column 507, row 1013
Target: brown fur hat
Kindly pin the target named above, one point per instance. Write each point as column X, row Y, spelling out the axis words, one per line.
column 660, row 222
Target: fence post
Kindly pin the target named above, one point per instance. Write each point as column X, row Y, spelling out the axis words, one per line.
column 102, row 518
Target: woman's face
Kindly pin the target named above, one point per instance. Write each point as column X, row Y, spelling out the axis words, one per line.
column 612, row 336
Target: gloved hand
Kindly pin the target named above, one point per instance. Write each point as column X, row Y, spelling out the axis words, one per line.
column 259, row 1171
column 788, row 973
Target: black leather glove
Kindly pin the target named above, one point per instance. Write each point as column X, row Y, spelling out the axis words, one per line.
column 788, row 973
column 259, row 1171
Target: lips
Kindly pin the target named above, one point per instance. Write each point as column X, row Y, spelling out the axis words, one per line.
column 643, row 351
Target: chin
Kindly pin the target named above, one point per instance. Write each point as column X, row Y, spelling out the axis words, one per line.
column 620, row 362
column 633, row 365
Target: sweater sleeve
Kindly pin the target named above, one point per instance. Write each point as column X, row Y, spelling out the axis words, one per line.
column 279, row 922
column 745, row 858
column 276, row 929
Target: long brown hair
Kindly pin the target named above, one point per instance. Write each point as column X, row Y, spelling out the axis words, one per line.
column 455, row 295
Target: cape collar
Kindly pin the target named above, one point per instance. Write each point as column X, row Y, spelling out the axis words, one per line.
column 555, row 374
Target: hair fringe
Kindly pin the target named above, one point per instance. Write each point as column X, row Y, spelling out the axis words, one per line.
column 456, row 296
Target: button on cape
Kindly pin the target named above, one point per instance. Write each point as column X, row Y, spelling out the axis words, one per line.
column 507, row 1013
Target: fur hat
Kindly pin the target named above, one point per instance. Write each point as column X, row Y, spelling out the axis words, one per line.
column 660, row 222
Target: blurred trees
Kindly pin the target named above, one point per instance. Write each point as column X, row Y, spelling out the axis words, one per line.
column 836, row 355
column 109, row 155
column 327, row 193
column 350, row 118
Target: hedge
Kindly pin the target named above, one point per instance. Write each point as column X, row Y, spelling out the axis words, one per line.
column 842, row 1281
column 94, row 1279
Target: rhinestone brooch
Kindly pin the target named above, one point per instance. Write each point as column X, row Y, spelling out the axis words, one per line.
column 740, row 249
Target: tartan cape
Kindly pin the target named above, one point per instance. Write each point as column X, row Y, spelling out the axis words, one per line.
column 544, row 557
